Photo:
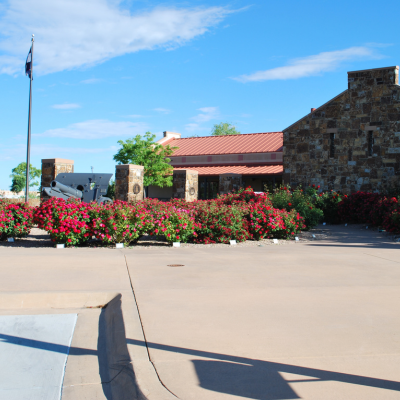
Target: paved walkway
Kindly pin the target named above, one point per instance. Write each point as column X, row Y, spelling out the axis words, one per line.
column 302, row 321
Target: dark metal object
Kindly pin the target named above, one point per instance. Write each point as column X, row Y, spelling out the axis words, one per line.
column 86, row 187
column 136, row 188
column 192, row 191
column 175, row 265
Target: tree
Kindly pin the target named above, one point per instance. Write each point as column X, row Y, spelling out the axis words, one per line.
column 18, row 175
column 143, row 150
column 224, row 128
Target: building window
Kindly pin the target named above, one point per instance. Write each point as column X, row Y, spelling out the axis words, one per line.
column 370, row 143
column 332, row 145
column 350, row 155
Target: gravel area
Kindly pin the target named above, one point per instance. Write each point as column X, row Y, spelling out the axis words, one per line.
column 39, row 238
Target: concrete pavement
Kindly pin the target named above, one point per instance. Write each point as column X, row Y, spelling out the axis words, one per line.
column 313, row 321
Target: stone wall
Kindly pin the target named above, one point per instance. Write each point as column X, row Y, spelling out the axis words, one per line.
column 185, row 184
column 229, row 182
column 129, row 182
column 51, row 167
column 352, row 142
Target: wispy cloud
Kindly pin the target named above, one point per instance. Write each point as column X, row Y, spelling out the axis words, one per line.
column 69, row 106
column 74, row 33
column 206, row 114
column 91, row 81
column 193, row 127
column 162, row 110
column 96, row 129
column 312, row 65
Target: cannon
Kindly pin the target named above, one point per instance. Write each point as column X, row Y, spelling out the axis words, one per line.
column 86, row 187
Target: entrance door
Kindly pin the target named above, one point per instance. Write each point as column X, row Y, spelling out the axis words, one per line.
column 208, row 188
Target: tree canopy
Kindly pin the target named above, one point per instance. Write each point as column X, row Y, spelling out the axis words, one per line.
column 224, row 128
column 143, row 150
column 18, row 175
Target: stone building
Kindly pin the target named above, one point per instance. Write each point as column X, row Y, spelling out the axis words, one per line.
column 218, row 164
column 352, row 142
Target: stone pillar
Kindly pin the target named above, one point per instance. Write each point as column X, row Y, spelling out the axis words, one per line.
column 129, row 182
column 229, row 182
column 185, row 184
column 51, row 167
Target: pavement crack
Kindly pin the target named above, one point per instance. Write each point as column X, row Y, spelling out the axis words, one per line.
column 382, row 258
column 144, row 334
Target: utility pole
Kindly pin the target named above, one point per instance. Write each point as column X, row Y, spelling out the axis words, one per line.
column 29, row 71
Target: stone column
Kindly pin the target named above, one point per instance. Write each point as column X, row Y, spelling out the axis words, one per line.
column 229, row 182
column 185, row 184
column 129, row 182
column 51, row 167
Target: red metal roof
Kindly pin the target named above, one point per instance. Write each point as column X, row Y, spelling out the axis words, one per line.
column 229, row 144
column 238, row 169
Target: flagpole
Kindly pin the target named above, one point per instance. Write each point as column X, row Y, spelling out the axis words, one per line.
column 28, row 147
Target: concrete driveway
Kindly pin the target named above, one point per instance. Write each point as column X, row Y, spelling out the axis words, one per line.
column 316, row 320
column 301, row 321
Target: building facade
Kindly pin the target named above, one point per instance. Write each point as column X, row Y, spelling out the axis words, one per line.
column 224, row 163
column 353, row 141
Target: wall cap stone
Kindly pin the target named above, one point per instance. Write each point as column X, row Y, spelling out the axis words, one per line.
column 373, row 69
column 57, row 160
column 128, row 166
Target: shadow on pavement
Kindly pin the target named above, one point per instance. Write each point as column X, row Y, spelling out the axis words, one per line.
column 257, row 379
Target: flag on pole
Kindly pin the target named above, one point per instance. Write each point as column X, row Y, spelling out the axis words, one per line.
column 28, row 64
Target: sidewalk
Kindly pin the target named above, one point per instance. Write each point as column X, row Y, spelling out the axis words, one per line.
column 314, row 320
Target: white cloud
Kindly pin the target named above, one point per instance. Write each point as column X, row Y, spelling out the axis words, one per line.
column 207, row 114
column 312, row 65
column 193, row 127
column 96, row 129
column 69, row 106
column 91, row 81
column 162, row 110
column 74, row 33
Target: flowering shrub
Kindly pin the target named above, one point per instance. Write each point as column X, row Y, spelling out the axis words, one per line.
column 328, row 202
column 219, row 223
column 66, row 222
column 15, row 220
column 391, row 222
column 301, row 201
column 371, row 208
column 177, row 225
column 267, row 222
column 119, row 222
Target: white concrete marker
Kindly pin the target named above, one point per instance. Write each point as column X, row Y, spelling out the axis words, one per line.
column 176, row 244
column 275, row 241
column 33, row 355
column 60, row 246
column 296, row 238
column 119, row 245
column 232, row 242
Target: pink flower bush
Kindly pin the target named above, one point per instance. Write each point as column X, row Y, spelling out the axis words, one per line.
column 15, row 220
column 66, row 222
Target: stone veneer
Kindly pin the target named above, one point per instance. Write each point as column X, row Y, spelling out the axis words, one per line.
column 129, row 182
column 185, row 184
column 51, row 167
column 229, row 182
column 369, row 108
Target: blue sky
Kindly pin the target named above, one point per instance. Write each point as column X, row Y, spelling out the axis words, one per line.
column 107, row 70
